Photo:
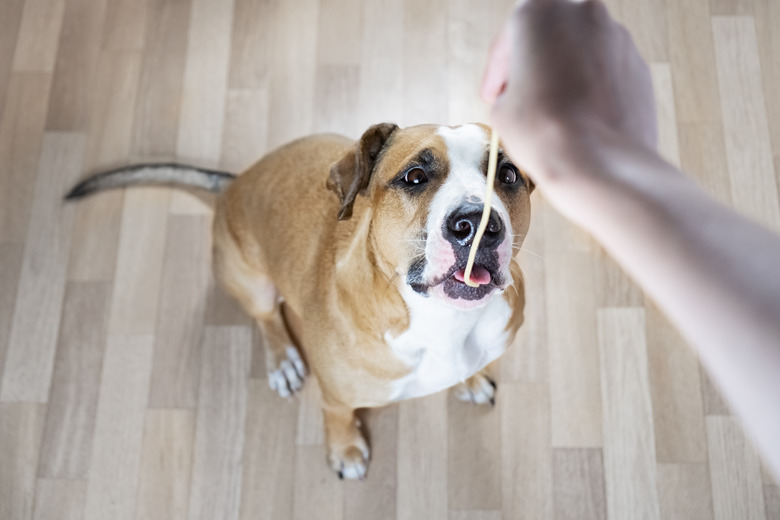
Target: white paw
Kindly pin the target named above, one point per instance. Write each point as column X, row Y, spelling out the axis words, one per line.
column 479, row 389
column 351, row 462
column 288, row 377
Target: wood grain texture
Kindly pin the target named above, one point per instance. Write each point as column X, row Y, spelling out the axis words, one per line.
column 125, row 25
column 39, row 34
column 684, row 491
column 748, row 148
column 575, row 394
column 10, row 22
column 119, row 427
column 578, row 476
column 474, row 468
column 70, row 419
column 245, row 132
column 628, row 432
column 10, row 267
column 316, row 493
column 703, row 157
column 767, row 17
column 526, row 463
column 76, row 64
column 59, row 498
column 269, row 453
column 219, row 435
column 736, row 474
column 21, row 427
column 668, row 140
column 675, row 388
column 184, row 280
column 772, row 501
column 21, row 134
column 139, row 269
column 33, row 342
column 422, row 459
column 166, row 465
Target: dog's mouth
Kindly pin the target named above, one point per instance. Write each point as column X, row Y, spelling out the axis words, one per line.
column 452, row 286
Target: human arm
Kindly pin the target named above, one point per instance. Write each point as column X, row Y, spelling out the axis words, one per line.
column 573, row 104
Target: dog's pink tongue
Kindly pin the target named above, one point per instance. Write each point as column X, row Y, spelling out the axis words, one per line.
column 479, row 275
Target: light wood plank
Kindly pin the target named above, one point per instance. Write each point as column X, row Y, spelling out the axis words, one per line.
column 474, row 460
column 703, row 157
column 21, row 427
column 380, row 97
column 475, row 515
column 772, row 501
column 30, row 357
column 468, row 44
column 714, row 403
column 613, row 286
column 731, row 7
column 125, row 25
column 76, row 65
column 340, row 32
column 378, row 492
column 748, row 148
column 11, row 13
column 318, row 493
column 62, row 499
column 334, row 100
column 526, row 359
column 21, row 134
column 166, row 465
column 310, row 427
column 425, row 85
column 203, row 92
column 527, row 486
column 39, row 34
column 269, row 452
column 219, row 433
column 70, row 421
column 767, row 16
column 139, row 261
column 648, row 26
column 628, row 417
column 292, row 70
column 119, row 426
column 736, row 475
column 98, row 219
column 578, row 476
column 184, row 282
column 575, row 398
column 162, row 72
column 678, row 411
column 684, row 492
column 692, row 59
column 251, row 46
column 245, row 132
column 668, row 141
column 422, row 459
column 10, row 267
column 223, row 309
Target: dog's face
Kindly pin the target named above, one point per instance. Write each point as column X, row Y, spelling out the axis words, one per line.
column 426, row 187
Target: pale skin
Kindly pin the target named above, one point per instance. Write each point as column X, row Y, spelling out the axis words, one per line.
column 573, row 102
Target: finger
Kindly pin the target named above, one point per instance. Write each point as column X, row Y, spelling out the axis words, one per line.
column 497, row 70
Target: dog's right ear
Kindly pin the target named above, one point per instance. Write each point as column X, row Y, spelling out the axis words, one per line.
column 350, row 174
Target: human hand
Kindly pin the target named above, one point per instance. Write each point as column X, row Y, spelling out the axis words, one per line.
column 561, row 75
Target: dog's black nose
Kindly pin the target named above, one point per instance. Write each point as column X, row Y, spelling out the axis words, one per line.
column 462, row 226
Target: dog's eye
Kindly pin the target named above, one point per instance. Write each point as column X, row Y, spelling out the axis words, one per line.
column 507, row 174
column 415, row 176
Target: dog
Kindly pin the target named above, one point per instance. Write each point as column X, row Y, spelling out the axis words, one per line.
column 364, row 245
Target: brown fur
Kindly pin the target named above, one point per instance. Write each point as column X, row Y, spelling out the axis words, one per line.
column 276, row 233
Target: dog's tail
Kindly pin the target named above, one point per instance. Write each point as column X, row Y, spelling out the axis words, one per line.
column 156, row 174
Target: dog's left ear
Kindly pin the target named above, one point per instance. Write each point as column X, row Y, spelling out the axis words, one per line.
column 350, row 174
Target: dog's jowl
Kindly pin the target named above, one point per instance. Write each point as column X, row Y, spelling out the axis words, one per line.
column 363, row 246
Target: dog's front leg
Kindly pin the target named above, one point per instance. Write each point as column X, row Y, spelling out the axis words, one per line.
column 348, row 452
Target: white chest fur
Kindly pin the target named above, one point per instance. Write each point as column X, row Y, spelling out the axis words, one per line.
column 444, row 345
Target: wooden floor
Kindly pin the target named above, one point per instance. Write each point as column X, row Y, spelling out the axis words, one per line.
column 130, row 388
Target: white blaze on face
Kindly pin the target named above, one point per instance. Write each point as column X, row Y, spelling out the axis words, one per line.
column 466, row 149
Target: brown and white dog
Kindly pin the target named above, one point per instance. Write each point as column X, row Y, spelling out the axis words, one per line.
column 373, row 278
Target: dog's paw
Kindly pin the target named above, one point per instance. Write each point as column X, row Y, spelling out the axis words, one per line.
column 478, row 389
column 350, row 462
column 288, row 376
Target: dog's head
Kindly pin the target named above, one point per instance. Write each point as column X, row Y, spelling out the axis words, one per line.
column 426, row 186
